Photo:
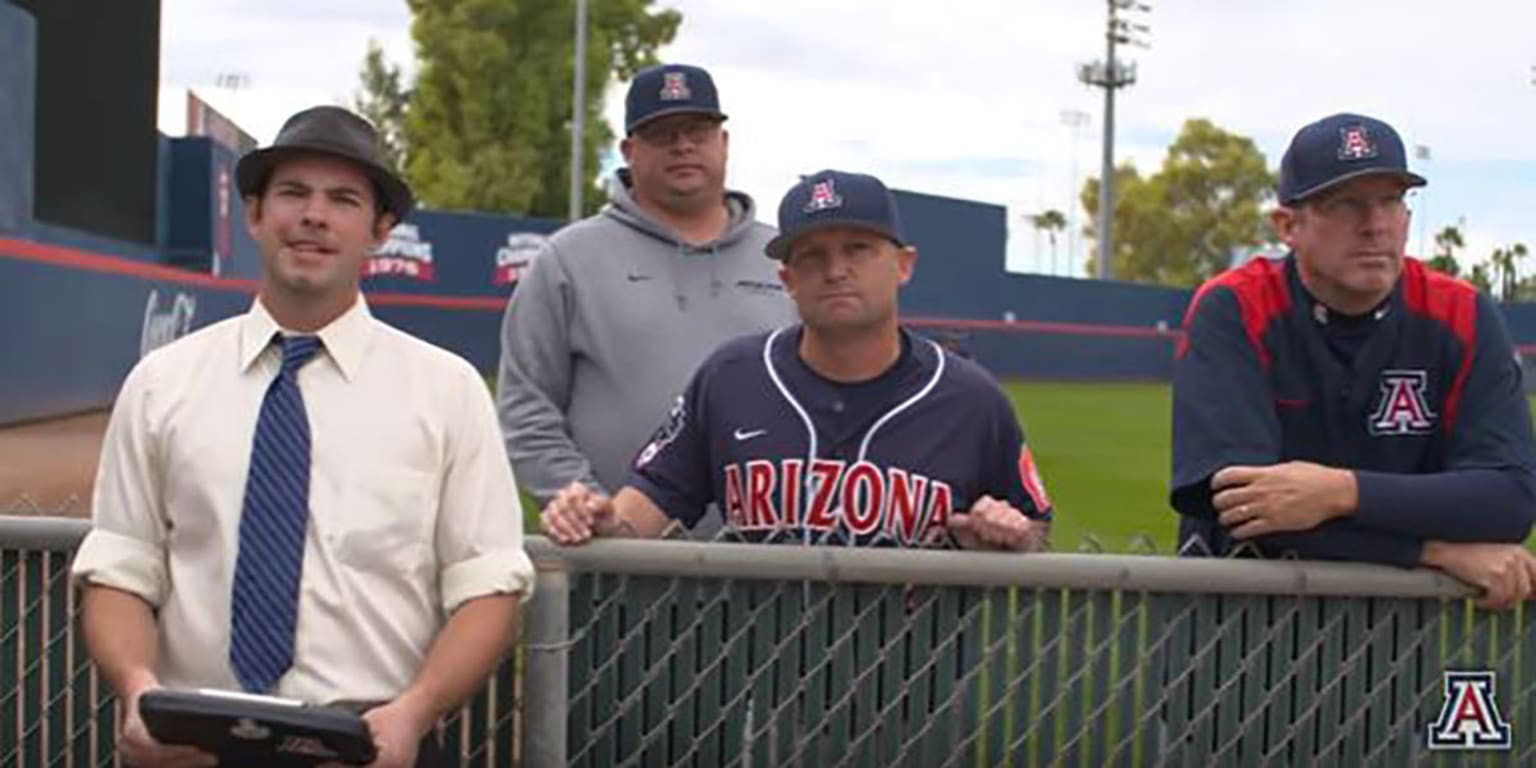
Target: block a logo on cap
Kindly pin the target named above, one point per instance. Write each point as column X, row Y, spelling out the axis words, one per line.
column 823, row 197
column 674, row 86
column 1355, row 143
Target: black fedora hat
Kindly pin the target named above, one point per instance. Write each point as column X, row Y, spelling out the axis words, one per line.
column 329, row 131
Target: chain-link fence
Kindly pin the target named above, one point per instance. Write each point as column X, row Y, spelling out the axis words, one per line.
column 55, row 711
column 708, row 657
column 694, row 654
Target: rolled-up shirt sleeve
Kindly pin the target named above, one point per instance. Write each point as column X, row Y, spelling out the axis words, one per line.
column 480, row 521
column 125, row 548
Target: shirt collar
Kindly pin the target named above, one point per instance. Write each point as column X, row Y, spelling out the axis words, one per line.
column 345, row 339
column 913, row 352
column 1323, row 315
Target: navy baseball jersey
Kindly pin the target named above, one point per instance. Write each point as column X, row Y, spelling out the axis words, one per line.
column 1422, row 397
column 787, row 455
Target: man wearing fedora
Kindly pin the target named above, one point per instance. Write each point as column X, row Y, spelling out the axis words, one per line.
column 619, row 307
column 1347, row 402
column 302, row 501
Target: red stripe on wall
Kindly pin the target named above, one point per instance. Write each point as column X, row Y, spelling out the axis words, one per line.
column 59, row 255
column 73, row 258
column 1038, row 326
column 27, row 250
column 475, row 303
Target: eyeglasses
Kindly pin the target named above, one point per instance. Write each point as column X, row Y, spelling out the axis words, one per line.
column 1358, row 207
column 665, row 133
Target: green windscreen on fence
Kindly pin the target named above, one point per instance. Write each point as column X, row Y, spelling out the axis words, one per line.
column 699, row 672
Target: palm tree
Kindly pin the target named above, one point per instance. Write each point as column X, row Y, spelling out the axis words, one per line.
column 1517, row 253
column 1051, row 222
column 1447, row 242
column 1505, row 263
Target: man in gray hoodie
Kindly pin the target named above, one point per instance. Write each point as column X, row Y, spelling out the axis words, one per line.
column 619, row 308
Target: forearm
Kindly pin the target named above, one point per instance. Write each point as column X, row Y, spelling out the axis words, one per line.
column 1343, row 540
column 544, row 457
column 634, row 516
column 122, row 638
column 1471, row 505
column 466, row 652
column 533, row 392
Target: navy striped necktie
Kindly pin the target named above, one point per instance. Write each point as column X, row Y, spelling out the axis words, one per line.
column 264, row 605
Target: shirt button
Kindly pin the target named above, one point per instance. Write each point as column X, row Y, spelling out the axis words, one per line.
column 837, row 406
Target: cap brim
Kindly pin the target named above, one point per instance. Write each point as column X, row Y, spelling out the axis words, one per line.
column 675, row 111
column 1413, row 179
column 253, row 168
column 778, row 247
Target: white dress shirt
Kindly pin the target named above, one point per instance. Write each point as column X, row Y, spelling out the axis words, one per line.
column 413, row 508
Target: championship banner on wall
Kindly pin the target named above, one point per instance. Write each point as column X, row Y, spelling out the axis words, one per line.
column 514, row 258
column 404, row 254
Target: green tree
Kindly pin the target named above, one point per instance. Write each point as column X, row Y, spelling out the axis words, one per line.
column 1447, row 242
column 1052, row 222
column 1183, row 224
column 1478, row 277
column 1505, row 264
column 489, row 121
column 383, row 100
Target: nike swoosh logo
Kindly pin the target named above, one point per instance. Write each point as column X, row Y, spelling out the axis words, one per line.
column 638, row 278
column 740, row 435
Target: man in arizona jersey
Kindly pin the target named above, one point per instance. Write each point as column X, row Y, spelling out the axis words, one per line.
column 1347, row 402
column 843, row 429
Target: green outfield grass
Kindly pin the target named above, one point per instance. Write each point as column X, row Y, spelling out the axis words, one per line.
column 1102, row 449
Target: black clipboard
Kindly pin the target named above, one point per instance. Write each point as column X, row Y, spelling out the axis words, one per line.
column 248, row 730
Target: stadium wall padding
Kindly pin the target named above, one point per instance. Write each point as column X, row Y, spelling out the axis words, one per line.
column 18, row 77
column 78, row 330
column 86, row 306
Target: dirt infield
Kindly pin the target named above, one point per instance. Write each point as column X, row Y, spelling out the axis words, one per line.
column 47, row 467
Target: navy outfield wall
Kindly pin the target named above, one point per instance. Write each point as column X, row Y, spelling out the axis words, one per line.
column 89, row 306
column 18, row 78
column 1028, row 326
column 80, row 320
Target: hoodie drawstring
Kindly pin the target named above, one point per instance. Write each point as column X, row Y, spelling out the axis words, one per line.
column 714, row 270
column 679, row 269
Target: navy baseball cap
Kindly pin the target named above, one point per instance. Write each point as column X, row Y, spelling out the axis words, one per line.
column 669, row 89
column 1338, row 148
column 836, row 199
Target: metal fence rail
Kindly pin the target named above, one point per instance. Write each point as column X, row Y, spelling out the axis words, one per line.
column 674, row 653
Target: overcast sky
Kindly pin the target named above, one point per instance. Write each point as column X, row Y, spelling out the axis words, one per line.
column 965, row 97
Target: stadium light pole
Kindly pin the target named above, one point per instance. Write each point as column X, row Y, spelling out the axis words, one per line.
column 1074, row 119
column 1112, row 75
column 579, row 113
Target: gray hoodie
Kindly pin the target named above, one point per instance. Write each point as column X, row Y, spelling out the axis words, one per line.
column 606, row 327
